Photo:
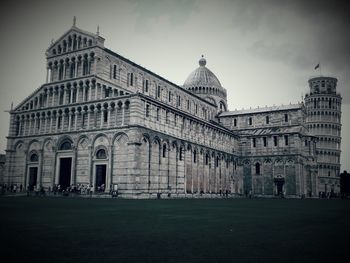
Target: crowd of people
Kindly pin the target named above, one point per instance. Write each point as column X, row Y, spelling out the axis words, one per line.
column 57, row 189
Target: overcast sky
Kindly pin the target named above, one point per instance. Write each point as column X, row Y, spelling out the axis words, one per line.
column 263, row 52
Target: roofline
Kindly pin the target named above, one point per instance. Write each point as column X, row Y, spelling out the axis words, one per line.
column 156, row 75
column 231, row 113
column 77, row 29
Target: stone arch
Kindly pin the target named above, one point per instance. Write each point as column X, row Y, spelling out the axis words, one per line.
column 62, row 140
column 101, row 139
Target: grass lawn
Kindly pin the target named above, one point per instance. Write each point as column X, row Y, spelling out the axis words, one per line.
column 65, row 229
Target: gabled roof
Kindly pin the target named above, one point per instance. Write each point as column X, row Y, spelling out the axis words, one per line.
column 75, row 30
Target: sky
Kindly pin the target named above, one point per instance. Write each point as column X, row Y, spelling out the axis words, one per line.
column 263, row 51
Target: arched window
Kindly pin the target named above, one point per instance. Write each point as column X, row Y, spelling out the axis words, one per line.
column 257, row 168
column 158, row 114
column 115, row 71
column 34, row 157
column 66, row 145
column 181, row 154
column 206, row 159
column 101, row 154
column 147, row 110
column 194, row 156
column 164, row 150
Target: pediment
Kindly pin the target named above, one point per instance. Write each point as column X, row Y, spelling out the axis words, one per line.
column 30, row 102
column 73, row 40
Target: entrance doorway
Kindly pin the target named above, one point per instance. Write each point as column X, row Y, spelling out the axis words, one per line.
column 65, row 172
column 279, row 185
column 33, row 175
column 100, row 185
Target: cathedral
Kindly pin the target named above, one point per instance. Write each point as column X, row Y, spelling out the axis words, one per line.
column 105, row 122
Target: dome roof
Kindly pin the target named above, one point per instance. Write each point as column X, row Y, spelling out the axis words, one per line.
column 202, row 76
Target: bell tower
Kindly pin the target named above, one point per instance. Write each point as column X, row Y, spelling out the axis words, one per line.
column 323, row 105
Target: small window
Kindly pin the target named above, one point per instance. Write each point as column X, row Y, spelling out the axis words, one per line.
column 105, row 116
column 267, row 119
column 158, row 114
column 286, row 142
column 275, row 140
column 257, row 168
column 130, row 81
column 147, row 110
column 101, row 154
column 286, row 117
column 217, row 161
column 306, row 143
column 235, row 122
column 194, row 156
column 66, row 145
column 250, row 121
column 146, row 85
column 265, row 141
column 206, row 159
column 158, row 92
column 164, row 150
column 34, row 157
column 254, row 142
column 115, row 71
column 167, row 117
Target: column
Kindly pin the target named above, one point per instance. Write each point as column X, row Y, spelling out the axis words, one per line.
column 109, row 116
column 88, row 118
column 102, row 120
column 71, row 95
column 90, row 91
column 109, row 181
column 52, row 94
column 95, row 65
column 69, row 120
column 57, row 117
column 50, row 129
column 123, row 113
column 35, row 121
column 74, row 162
column 64, row 95
column 19, row 127
column 75, row 68
column 64, row 70
column 76, row 120
column 96, row 87
column 62, row 124
column 84, row 91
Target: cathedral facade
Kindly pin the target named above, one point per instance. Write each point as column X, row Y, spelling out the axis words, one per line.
column 103, row 121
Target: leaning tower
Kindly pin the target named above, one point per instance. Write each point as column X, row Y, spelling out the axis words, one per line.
column 323, row 106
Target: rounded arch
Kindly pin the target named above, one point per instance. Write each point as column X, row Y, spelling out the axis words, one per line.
column 119, row 136
column 103, row 139
column 65, row 143
column 34, row 144
column 19, row 145
column 33, row 156
column 222, row 106
column 101, row 152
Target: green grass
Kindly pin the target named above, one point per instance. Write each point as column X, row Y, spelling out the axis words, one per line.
column 68, row 229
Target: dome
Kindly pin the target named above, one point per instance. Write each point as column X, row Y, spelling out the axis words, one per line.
column 202, row 76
